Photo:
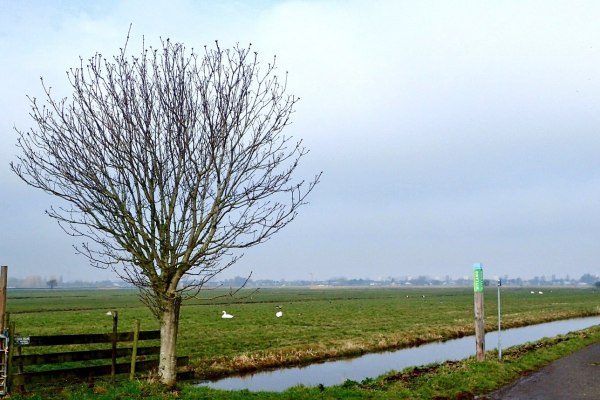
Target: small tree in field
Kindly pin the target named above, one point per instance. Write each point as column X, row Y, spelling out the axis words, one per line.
column 52, row 283
column 168, row 162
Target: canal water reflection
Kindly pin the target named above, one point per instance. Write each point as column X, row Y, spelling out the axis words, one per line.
column 372, row 365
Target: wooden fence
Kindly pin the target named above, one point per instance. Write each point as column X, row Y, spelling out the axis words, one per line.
column 20, row 378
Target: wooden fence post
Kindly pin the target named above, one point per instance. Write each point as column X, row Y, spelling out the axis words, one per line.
column 3, row 280
column 17, row 351
column 136, row 335
column 479, row 322
column 113, row 368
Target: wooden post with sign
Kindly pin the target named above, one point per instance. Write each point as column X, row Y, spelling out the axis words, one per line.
column 479, row 322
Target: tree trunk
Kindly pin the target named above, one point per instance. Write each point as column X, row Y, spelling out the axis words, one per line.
column 167, row 368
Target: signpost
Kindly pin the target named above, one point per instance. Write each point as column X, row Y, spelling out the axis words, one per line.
column 479, row 323
column 499, row 347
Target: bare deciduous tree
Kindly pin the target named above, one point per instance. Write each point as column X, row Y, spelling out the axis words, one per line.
column 169, row 162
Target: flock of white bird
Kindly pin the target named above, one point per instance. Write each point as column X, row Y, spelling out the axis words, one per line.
column 278, row 314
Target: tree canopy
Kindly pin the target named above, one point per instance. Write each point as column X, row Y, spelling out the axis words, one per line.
column 169, row 163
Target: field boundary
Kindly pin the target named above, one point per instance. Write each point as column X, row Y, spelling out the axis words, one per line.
column 17, row 380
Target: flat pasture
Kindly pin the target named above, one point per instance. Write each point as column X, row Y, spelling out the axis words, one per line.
column 317, row 323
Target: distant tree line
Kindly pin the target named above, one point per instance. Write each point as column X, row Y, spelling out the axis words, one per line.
column 38, row 281
column 53, row 282
column 421, row 280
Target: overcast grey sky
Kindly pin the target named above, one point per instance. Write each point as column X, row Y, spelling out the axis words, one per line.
column 449, row 132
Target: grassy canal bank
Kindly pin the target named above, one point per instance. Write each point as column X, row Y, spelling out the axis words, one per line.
column 450, row 380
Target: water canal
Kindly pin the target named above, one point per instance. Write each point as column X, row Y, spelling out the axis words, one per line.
column 332, row 373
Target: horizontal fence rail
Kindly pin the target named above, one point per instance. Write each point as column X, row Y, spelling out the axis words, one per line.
column 87, row 372
column 61, row 340
column 19, row 361
column 74, row 356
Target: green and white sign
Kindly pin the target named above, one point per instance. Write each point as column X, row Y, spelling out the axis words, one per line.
column 477, row 277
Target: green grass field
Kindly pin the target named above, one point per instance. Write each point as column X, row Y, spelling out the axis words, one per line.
column 317, row 323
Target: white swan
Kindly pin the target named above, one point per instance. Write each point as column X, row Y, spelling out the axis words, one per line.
column 278, row 314
column 225, row 315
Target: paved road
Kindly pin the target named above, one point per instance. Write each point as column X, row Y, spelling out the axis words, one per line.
column 570, row 378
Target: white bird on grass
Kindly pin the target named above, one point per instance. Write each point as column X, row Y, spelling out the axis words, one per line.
column 225, row 315
column 279, row 314
column 541, row 292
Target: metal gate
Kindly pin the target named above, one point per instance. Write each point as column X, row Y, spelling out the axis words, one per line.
column 4, row 339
